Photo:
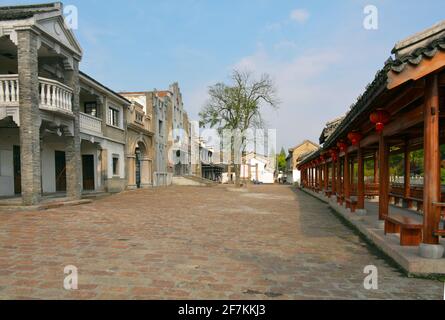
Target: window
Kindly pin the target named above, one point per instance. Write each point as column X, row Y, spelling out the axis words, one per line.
column 91, row 109
column 160, row 128
column 113, row 117
column 115, row 165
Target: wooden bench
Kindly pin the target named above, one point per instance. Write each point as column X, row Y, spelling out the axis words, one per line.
column 410, row 230
column 351, row 203
column 395, row 197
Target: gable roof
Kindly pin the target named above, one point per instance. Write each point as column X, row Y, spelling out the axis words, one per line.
column 303, row 143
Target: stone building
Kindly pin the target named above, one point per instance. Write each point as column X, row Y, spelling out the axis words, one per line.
column 177, row 126
column 140, row 147
column 295, row 156
column 60, row 130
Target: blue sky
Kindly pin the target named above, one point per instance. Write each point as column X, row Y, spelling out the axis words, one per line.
column 317, row 51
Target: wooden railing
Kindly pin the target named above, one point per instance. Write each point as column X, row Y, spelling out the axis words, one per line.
column 90, row 123
column 9, row 90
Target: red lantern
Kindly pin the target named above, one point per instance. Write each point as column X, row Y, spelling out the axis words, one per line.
column 379, row 117
column 355, row 137
column 342, row 145
column 334, row 154
column 322, row 158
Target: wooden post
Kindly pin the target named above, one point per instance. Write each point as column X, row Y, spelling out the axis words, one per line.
column 431, row 188
column 339, row 190
column 326, row 176
column 321, row 177
column 407, row 178
column 376, row 167
column 383, row 178
column 334, row 180
column 346, row 178
column 360, row 180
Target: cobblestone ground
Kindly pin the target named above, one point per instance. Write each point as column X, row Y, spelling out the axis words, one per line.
column 195, row 243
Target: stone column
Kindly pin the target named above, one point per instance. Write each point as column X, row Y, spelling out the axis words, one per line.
column 73, row 153
column 104, row 168
column 146, row 173
column 27, row 56
column 131, row 173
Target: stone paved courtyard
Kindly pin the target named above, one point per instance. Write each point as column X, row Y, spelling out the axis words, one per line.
column 195, row 243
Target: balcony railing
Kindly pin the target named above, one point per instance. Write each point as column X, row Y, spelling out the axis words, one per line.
column 9, row 90
column 53, row 95
column 90, row 123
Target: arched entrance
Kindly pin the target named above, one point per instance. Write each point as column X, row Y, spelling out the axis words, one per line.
column 139, row 166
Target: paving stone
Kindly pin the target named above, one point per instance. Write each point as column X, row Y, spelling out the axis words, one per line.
column 195, row 243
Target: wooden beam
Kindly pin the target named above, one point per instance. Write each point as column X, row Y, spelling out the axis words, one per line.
column 426, row 67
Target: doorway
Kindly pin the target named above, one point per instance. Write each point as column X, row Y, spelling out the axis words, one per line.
column 60, row 164
column 17, row 170
column 88, row 172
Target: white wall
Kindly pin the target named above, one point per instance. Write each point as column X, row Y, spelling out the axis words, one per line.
column 115, row 148
column 9, row 138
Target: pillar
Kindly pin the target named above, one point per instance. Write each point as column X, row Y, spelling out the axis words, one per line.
column 383, row 177
column 360, row 180
column 73, row 153
column 339, row 190
column 407, row 176
column 131, row 173
column 146, row 164
column 326, row 176
column 334, row 180
column 346, row 177
column 431, row 189
column 27, row 56
column 376, row 167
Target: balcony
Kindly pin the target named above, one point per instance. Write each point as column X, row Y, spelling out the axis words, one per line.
column 53, row 95
column 90, row 124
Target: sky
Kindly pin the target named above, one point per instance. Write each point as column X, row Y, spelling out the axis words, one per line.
column 318, row 52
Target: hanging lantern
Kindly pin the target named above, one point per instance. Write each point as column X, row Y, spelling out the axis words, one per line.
column 342, row 145
column 334, row 154
column 379, row 117
column 322, row 158
column 355, row 137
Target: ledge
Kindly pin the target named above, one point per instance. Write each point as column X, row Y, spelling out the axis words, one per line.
column 407, row 258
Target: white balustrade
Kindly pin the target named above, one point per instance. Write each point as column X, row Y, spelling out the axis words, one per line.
column 55, row 95
column 90, row 123
column 9, row 90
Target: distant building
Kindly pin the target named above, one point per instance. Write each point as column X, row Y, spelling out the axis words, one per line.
column 294, row 158
column 258, row 168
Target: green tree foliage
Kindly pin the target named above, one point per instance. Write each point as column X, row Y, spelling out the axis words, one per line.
column 281, row 160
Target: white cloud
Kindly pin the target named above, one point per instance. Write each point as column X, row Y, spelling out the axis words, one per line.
column 300, row 15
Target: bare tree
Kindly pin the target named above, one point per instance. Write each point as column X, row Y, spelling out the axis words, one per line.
column 237, row 107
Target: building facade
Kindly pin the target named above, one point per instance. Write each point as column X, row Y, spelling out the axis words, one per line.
column 295, row 156
column 61, row 131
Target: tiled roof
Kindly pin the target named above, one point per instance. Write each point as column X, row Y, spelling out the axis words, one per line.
column 27, row 11
column 426, row 49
